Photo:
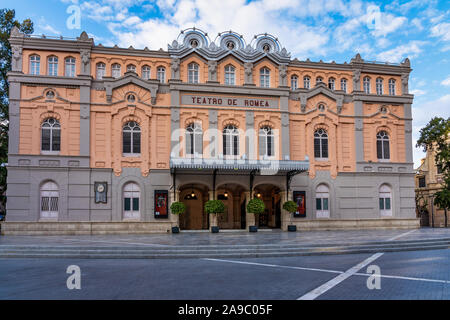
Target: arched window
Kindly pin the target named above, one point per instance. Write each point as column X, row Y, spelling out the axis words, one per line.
column 49, row 200
column 230, row 141
column 35, row 64
column 264, row 77
column 322, row 201
column 51, row 136
column 392, row 87
column 193, row 72
column 379, row 85
column 115, row 70
column 294, row 82
column 320, row 144
column 131, row 201
column 69, row 70
column 385, row 200
column 344, row 85
column 131, row 67
column 131, row 135
column 146, row 72
column 319, row 80
column 266, row 142
column 306, row 82
column 331, row 82
column 366, row 84
column 194, row 139
column 383, row 146
column 161, row 74
column 101, row 70
column 230, row 75
column 52, row 66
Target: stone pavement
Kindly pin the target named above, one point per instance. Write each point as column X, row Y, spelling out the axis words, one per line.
column 274, row 237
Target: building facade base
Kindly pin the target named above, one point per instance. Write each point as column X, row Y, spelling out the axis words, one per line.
column 84, row 228
column 351, row 224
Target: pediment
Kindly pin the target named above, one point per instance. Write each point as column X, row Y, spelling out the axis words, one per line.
column 131, row 78
column 321, row 88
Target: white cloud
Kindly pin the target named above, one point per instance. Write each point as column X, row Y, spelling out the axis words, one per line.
column 441, row 30
column 446, row 82
column 418, row 92
column 410, row 50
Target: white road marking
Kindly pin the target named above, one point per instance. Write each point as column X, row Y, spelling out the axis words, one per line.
column 117, row 242
column 274, row 265
column 405, row 278
column 335, row 281
column 401, row 235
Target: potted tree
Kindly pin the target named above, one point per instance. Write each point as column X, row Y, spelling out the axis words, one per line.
column 255, row 206
column 291, row 207
column 214, row 207
column 177, row 208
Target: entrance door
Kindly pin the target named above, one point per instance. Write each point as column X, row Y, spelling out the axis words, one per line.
column 192, row 219
column 243, row 214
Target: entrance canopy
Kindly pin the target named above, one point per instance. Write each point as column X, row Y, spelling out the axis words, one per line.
column 239, row 164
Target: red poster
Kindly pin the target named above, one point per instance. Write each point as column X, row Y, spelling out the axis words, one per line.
column 299, row 199
column 161, row 197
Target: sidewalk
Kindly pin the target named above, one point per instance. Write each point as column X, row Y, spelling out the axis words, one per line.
column 276, row 237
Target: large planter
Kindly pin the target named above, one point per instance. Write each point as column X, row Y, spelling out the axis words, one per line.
column 175, row 230
column 215, row 229
column 292, row 228
column 253, row 229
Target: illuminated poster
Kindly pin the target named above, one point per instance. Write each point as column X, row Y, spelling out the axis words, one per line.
column 299, row 199
column 161, row 199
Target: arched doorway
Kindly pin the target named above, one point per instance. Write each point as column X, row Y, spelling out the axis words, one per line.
column 194, row 197
column 270, row 194
column 233, row 197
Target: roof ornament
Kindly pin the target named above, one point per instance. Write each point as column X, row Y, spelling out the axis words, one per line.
column 15, row 32
column 83, row 36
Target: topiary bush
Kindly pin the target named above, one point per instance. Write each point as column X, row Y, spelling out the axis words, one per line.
column 177, row 207
column 256, row 206
column 290, row 206
column 214, row 206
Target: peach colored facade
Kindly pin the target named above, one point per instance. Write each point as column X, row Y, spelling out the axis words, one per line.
column 211, row 86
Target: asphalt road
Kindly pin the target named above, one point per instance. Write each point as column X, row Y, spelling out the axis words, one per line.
column 404, row 275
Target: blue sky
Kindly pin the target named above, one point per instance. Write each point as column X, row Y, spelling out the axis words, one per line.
column 314, row 29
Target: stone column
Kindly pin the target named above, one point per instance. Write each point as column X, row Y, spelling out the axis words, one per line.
column 359, row 139
column 249, row 217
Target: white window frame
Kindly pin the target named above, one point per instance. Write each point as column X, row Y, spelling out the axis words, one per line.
column 230, row 75
column 49, row 201
column 35, row 64
column 383, row 137
column 228, row 136
column 47, row 125
column 385, row 200
column 323, row 195
column 267, row 134
column 344, row 85
column 392, row 87
column 131, row 129
column 319, row 80
column 146, row 72
column 161, row 74
column 193, row 73
column 100, row 70
column 323, row 135
column 52, row 66
column 331, row 83
column 379, row 86
column 366, row 85
column 131, row 191
column 116, row 70
column 131, row 67
column 192, row 131
column 264, row 77
column 294, row 82
column 70, row 67
column 306, row 82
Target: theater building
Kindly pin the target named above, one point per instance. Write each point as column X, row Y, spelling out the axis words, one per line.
column 104, row 139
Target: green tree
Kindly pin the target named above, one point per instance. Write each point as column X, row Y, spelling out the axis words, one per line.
column 435, row 137
column 7, row 22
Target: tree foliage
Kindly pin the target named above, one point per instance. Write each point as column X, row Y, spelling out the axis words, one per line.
column 7, row 22
column 290, row 206
column 435, row 136
column 214, row 206
column 256, row 206
column 177, row 207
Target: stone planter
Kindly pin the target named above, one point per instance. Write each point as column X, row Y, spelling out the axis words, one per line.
column 215, row 229
column 253, row 229
column 175, row 230
column 292, row 228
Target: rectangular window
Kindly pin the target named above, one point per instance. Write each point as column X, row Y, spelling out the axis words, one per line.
column 235, row 146
column 386, row 149
column 127, row 204
column 379, row 150
column 45, row 140
column 317, row 148
column 56, row 141
column 381, row 202
column 136, row 142
column 324, row 148
column 135, row 204
column 325, row 203
column 422, row 183
column 127, row 142
column 387, row 203
column 318, row 204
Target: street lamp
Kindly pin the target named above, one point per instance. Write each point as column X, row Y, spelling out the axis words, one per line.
column 432, row 210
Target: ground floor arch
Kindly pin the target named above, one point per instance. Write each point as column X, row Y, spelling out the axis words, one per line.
column 271, row 196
